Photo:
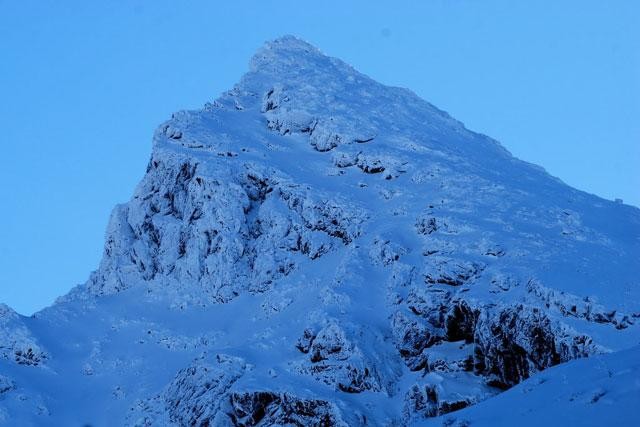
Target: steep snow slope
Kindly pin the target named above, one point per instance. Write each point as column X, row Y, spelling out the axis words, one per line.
column 314, row 248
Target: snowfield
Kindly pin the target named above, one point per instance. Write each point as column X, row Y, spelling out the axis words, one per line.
column 314, row 248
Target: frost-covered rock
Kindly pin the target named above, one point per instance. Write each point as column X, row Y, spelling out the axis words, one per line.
column 334, row 360
column 16, row 340
column 265, row 408
column 412, row 338
column 206, row 394
column 460, row 321
column 385, row 252
column 187, row 227
column 194, row 396
column 573, row 306
column 421, row 402
column 424, row 401
column 452, row 272
column 513, row 343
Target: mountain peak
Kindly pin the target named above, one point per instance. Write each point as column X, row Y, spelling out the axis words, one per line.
column 291, row 43
column 304, row 83
column 285, row 50
column 316, row 246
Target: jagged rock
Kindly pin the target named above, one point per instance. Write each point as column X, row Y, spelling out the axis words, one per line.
column 430, row 303
column 460, row 321
column 330, row 342
column 502, row 283
column 16, row 340
column 385, row 252
column 345, row 159
column 452, row 272
column 324, row 138
column 281, row 116
column 425, row 401
column 267, row 408
column 194, row 396
column 28, row 356
column 288, row 122
column 427, row 225
column 305, row 341
column 336, row 361
column 421, row 401
column 412, row 338
column 512, row 343
column 182, row 225
column 172, row 132
column 178, row 224
column 274, row 98
column 446, row 407
column 203, row 394
column 369, row 164
column 573, row 306
column 571, row 345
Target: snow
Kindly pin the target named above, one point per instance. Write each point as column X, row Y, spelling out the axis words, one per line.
column 316, row 248
column 599, row 391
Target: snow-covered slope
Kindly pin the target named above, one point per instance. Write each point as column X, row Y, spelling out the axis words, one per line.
column 315, row 248
column 598, row 391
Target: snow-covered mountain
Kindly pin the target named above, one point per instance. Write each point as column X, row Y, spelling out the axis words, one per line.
column 315, row 248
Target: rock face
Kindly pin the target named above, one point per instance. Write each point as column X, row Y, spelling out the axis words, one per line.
column 17, row 343
column 315, row 248
column 517, row 342
column 334, row 360
column 201, row 395
column 223, row 237
column 270, row 409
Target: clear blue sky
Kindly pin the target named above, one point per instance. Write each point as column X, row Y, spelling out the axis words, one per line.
column 84, row 84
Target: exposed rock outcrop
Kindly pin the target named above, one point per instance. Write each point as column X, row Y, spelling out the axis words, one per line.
column 205, row 394
column 336, row 361
column 265, row 408
column 17, row 343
